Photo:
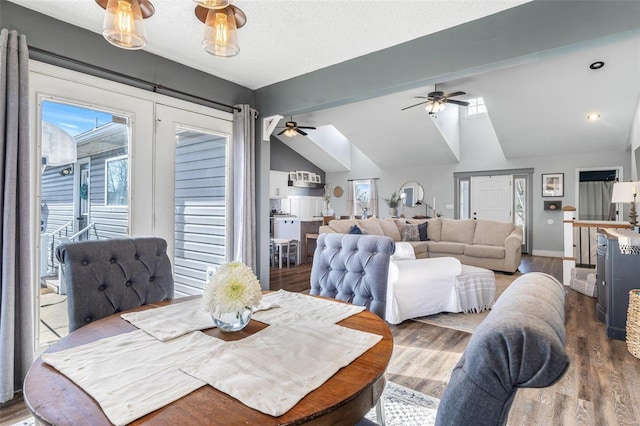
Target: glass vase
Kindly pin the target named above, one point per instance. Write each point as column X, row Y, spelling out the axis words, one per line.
column 232, row 321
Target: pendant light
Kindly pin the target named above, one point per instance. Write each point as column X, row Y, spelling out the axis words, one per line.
column 221, row 30
column 123, row 25
column 213, row 4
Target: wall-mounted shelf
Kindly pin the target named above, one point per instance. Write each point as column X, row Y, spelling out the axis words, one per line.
column 304, row 184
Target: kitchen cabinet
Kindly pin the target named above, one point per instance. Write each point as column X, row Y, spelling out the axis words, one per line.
column 306, row 207
column 621, row 272
column 278, row 184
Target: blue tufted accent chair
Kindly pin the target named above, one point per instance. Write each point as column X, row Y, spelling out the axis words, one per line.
column 353, row 268
column 104, row 277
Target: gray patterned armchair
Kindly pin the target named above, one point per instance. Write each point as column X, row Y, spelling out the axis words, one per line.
column 353, row 268
column 104, row 277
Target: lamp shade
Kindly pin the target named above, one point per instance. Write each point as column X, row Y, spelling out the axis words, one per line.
column 624, row 192
column 123, row 25
column 221, row 33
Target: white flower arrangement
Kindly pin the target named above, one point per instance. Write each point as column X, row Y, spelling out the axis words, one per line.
column 232, row 288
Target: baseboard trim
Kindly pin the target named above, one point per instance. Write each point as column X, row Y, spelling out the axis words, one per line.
column 548, row 253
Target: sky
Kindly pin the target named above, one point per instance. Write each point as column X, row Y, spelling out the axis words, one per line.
column 73, row 119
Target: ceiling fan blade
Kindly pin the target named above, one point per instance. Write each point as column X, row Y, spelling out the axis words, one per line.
column 301, row 132
column 421, row 97
column 414, row 105
column 453, row 101
column 450, row 95
column 306, row 127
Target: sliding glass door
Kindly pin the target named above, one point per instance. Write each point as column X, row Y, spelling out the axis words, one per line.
column 192, row 194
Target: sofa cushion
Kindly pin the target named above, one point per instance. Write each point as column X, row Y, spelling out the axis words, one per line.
column 342, row 226
column 492, row 232
column 355, row 230
column 410, row 232
column 390, row 229
column 446, row 247
column 370, row 226
column 482, row 250
column 420, row 248
column 458, row 231
column 422, row 230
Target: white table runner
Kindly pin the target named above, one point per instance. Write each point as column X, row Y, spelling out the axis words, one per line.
column 173, row 320
column 133, row 374
column 272, row 370
column 628, row 241
column 296, row 307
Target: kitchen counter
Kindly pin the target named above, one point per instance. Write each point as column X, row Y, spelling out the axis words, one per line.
column 295, row 228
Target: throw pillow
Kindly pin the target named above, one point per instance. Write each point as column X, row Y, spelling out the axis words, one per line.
column 410, row 232
column 355, row 230
column 422, row 230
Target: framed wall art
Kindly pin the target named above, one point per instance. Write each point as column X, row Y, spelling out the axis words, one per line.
column 553, row 185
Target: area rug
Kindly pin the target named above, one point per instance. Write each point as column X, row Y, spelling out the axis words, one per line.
column 406, row 407
column 468, row 322
column 26, row 422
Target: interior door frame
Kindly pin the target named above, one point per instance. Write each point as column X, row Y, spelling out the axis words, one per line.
column 525, row 172
column 619, row 176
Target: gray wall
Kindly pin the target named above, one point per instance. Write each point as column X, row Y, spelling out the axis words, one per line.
column 285, row 159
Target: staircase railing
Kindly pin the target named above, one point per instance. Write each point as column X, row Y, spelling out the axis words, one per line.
column 47, row 246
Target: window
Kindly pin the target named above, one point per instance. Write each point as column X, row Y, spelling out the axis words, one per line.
column 117, row 181
column 476, row 107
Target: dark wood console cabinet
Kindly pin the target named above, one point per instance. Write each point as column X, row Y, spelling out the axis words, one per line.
column 617, row 274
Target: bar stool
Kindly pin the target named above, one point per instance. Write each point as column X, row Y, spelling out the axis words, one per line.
column 284, row 249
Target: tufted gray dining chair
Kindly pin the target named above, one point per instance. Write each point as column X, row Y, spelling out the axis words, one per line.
column 353, row 268
column 104, row 277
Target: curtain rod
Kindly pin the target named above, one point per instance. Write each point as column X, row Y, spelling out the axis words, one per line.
column 154, row 86
column 351, row 180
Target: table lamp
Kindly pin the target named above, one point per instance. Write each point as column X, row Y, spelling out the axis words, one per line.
column 626, row 192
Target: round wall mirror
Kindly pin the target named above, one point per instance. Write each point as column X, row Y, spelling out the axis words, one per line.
column 412, row 194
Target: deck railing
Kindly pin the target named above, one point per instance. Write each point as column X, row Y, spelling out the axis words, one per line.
column 48, row 242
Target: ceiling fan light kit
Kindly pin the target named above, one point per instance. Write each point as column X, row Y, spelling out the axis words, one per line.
column 436, row 100
column 123, row 26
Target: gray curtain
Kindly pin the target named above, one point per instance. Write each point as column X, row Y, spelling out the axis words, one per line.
column 595, row 201
column 244, row 189
column 17, row 283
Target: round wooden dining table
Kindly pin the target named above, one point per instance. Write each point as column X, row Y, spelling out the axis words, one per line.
column 342, row 400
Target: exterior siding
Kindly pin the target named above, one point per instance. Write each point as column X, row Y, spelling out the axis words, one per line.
column 200, row 212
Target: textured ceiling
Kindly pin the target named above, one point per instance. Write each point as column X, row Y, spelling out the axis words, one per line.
column 285, row 38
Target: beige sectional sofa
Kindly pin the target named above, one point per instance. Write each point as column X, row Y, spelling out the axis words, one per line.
column 484, row 243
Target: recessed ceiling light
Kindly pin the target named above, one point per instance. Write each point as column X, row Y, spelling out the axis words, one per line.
column 593, row 116
column 596, row 65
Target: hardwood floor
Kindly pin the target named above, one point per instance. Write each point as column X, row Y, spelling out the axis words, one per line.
column 601, row 387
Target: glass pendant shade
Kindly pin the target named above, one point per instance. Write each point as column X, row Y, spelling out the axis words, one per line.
column 123, row 25
column 434, row 106
column 290, row 133
column 213, row 4
column 221, row 33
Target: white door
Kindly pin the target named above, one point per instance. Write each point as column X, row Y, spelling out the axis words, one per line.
column 192, row 194
column 491, row 197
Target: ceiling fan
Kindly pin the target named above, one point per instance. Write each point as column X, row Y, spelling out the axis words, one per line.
column 435, row 100
column 291, row 129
